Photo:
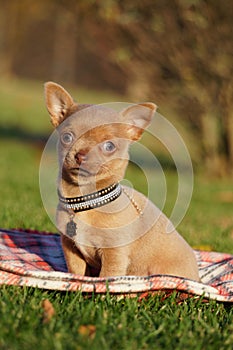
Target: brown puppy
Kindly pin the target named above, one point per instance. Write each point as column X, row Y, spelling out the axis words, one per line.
column 105, row 227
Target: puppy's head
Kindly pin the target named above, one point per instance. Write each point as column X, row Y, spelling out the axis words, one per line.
column 94, row 139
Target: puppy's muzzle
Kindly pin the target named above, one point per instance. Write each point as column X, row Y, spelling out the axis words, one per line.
column 80, row 157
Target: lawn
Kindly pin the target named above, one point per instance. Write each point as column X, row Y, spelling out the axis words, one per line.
column 76, row 321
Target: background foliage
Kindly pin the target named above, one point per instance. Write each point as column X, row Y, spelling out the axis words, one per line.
column 176, row 53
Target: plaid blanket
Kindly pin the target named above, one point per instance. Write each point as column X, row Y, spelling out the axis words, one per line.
column 31, row 258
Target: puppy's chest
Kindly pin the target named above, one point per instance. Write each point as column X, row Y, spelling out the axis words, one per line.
column 84, row 230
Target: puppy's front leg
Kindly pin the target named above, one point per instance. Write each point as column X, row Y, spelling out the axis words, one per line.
column 114, row 262
column 74, row 260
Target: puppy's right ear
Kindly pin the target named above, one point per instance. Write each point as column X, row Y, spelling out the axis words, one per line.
column 58, row 102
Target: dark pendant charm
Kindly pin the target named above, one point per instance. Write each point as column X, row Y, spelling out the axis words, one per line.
column 71, row 228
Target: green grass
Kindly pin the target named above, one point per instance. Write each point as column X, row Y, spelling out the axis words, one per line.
column 23, row 106
column 118, row 324
column 153, row 323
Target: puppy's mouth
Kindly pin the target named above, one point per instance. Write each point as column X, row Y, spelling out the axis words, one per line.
column 79, row 171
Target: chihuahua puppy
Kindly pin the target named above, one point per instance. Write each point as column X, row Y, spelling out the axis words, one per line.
column 108, row 229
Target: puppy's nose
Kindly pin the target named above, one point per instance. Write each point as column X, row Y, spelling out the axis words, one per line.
column 80, row 157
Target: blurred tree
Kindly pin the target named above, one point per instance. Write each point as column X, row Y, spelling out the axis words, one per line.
column 181, row 51
column 64, row 46
column 9, row 35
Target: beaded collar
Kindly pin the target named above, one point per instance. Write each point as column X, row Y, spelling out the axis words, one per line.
column 92, row 200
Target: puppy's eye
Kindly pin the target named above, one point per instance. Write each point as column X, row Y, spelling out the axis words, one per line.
column 108, row 147
column 67, row 138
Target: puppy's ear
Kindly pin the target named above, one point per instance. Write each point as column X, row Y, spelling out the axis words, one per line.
column 137, row 118
column 58, row 102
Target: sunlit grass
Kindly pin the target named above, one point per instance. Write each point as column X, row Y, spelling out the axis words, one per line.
column 23, row 106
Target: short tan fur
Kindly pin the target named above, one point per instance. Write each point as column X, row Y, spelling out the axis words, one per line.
column 129, row 235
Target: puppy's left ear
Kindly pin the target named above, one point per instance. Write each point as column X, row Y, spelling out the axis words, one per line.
column 137, row 118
